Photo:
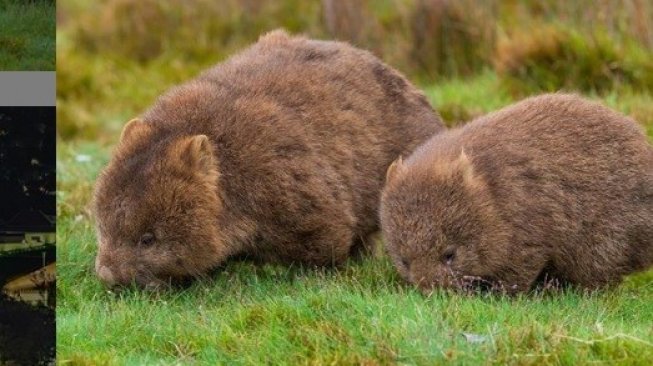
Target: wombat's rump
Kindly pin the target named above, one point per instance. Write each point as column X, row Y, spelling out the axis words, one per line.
column 279, row 153
column 553, row 187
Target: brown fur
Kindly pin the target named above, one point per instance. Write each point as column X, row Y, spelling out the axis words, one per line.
column 553, row 187
column 279, row 154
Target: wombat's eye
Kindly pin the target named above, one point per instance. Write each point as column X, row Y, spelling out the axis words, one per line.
column 448, row 255
column 405, row 263
column 146, row 239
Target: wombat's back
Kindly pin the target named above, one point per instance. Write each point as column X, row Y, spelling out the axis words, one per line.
column 301, row 127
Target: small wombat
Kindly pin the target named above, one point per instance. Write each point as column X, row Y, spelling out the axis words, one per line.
column 277, row 154
column 554, row 187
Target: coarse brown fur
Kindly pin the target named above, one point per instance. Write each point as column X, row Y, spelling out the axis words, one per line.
column 553, row 187
column 278, row 154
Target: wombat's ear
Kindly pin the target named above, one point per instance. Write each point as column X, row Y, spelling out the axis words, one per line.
column 466, row 168
column 197, row 152
column 397, row 167
column 134, row 129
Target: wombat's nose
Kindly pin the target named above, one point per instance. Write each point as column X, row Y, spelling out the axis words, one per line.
column 106, row 276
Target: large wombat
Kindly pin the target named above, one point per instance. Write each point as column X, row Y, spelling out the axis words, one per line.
column 278, row 154
column 554, row 187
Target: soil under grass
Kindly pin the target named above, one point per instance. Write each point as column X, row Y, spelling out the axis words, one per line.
column 27, row 35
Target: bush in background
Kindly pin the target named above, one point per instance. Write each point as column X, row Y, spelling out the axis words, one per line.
column 146, row 29
column 551, row 58
column 453, row 37
column 430, row 39
column 622, row 20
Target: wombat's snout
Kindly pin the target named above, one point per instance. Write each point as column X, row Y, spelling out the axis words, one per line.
column 426, row 278
column 106, row 276
column 422, row 280
column 114, row 276
column 111, row 275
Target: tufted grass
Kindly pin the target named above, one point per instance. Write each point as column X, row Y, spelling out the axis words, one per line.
column 27, row 35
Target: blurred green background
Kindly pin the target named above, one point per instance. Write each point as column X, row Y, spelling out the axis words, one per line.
column 114, row 57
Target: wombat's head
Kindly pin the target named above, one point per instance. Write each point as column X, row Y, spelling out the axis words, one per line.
column 156, row 205
column 439, row 224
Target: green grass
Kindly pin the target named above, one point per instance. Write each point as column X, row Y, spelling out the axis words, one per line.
column 359, row 314
column 27, row 36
